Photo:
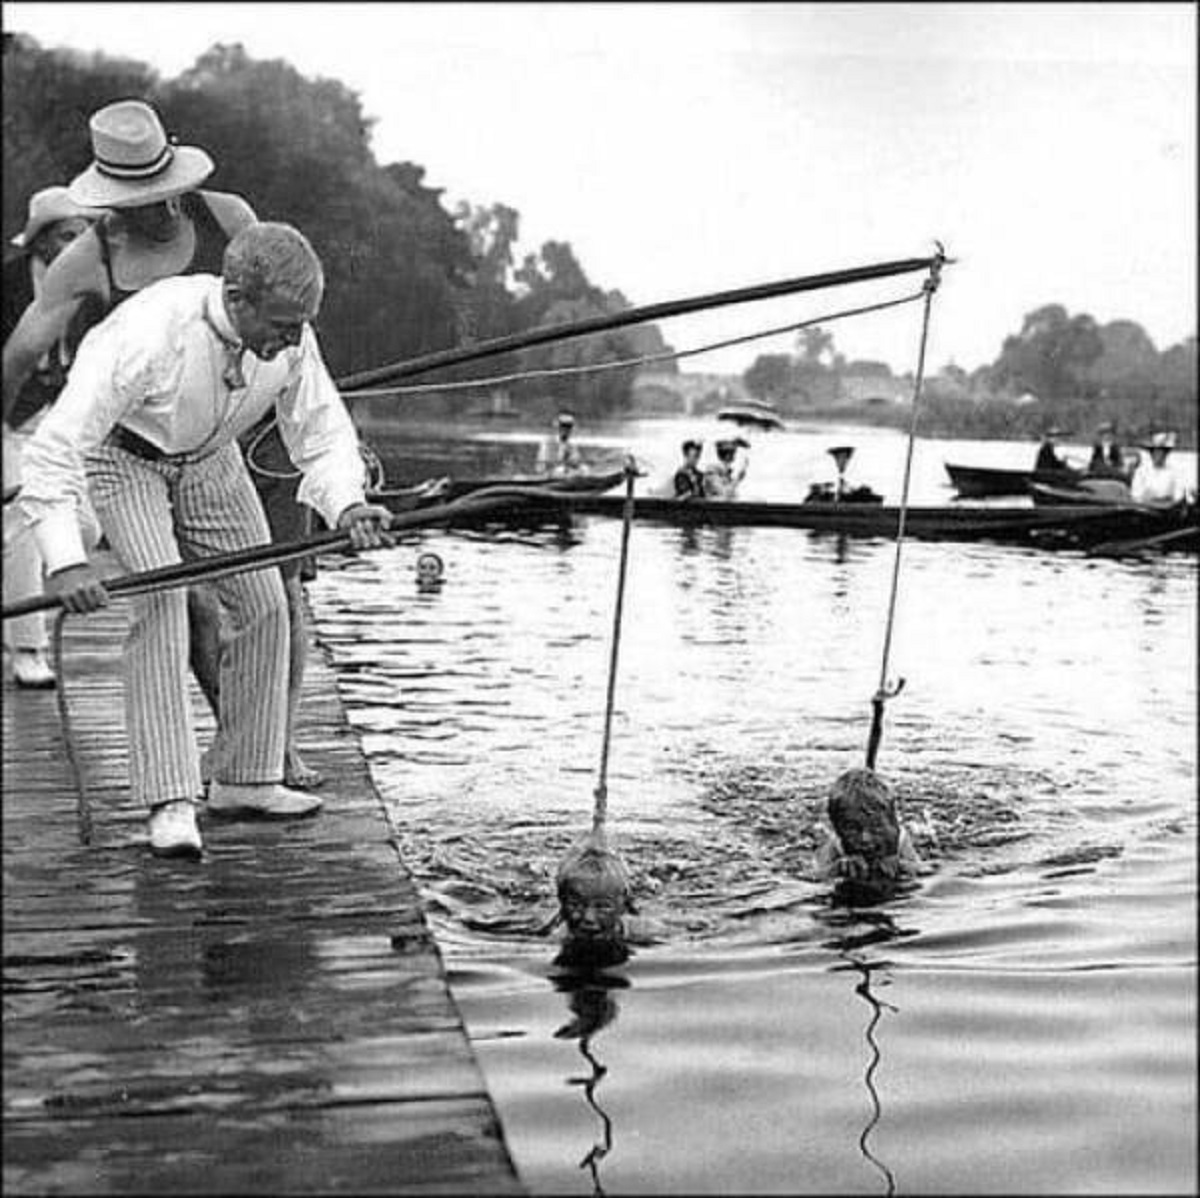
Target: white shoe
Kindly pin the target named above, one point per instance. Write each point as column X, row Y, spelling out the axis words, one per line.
column 173, row 831
column 262, row 800
column 32, row 670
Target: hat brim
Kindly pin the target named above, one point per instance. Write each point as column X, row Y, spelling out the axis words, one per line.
column 189, row 167
column 28, row 235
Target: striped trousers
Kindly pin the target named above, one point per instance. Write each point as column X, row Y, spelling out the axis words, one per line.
column 158, row 513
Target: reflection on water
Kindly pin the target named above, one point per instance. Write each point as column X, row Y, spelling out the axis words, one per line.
column 1043, row 757
column 592, row 1007
column 860, row 931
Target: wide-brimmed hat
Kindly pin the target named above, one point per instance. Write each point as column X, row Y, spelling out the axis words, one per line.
column 134, row 163
column 565, row 418
column 1161, row 441
column 47, row 207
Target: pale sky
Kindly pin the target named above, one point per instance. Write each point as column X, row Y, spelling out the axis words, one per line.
column 686, row 148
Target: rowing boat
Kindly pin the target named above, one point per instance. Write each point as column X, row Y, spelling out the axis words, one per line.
column 1059, row 526
column 987, row 482
column 991, row 481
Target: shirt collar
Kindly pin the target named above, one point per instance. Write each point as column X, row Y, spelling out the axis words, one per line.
column 217, row 319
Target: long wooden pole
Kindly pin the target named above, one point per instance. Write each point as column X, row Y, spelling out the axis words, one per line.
column 616, row 320
column 261, row 556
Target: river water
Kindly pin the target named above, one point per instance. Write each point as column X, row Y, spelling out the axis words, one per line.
column 1022, row 1021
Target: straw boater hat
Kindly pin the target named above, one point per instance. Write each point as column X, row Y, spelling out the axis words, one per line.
column 134, row 164
column 47, row 207
column 1162, row 441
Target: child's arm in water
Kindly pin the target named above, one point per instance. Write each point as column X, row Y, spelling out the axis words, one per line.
column 910, row 861
column 827, row 860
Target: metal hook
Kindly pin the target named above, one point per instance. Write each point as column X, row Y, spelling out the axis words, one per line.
column 890, row 691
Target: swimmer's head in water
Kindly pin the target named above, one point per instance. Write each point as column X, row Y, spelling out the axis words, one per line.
column 863, row 814
column 593, row 894
column 430, row 569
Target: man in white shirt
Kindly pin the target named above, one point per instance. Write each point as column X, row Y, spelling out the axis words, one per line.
column 147, row 423
column 1155, row 482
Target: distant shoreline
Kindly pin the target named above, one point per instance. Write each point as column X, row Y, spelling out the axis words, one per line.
column 373, row 416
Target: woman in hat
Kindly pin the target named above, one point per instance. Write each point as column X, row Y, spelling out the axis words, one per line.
column 1155, row 482
column 1047, row 456
column 722, row 478
column 689, row 481
column 54, row 221
column 1107, row 461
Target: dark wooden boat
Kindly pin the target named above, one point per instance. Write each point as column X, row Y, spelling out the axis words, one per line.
column 1059, row 526
column 987, row 482
column 400, row 498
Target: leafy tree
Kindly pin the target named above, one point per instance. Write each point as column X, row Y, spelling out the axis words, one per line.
column 769, row 376
column 814, row 343
column 48, row 97
column 1051, row 355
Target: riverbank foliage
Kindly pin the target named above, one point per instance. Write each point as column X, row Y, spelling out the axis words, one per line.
column 404, row 276
column 1059, row 370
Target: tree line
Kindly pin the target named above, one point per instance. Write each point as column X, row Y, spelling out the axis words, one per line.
column 1058, row 369
column 404, row 276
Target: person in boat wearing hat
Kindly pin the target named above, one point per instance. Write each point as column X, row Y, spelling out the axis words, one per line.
column 54, row 220
column 160, row 224
column 723, row 477
column 1107, row 460
column 148, row 422
column 1047, row 454
column 1155, row 482
column 689, row 480
column 558, row 455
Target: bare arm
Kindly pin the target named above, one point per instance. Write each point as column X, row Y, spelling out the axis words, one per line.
column 74, row 274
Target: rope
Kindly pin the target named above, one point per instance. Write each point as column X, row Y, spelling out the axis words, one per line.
column 885, row 692
column 616, row 320
column 562, row 371
column 82, row 806
column 600, row 812
column 625, row 363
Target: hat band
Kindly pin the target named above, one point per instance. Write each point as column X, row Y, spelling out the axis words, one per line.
column 146, row 170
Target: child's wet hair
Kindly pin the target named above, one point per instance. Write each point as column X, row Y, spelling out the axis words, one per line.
column 861, row 799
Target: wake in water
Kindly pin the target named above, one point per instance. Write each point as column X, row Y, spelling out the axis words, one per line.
column 737, row 863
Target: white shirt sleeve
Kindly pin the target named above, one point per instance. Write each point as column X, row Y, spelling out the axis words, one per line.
column 320, row 437
column 108, row 379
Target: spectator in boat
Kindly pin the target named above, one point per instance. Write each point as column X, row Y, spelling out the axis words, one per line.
column 53, row 221
column 865, row 844
column 1047, row 455
column 724, row 476
column 1107, row 460
column 158, row 224
column 148, row 420
column 558, row 455
column 689, row 481
column 1155, row 481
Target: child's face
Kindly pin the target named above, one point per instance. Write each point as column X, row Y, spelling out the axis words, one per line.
column 868, row 829
column 429, row 568
column 593, row 911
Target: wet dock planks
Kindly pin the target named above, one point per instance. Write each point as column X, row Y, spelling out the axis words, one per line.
column 274, row 1019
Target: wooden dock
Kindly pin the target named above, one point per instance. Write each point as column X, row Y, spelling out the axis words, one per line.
column 274, row 1019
